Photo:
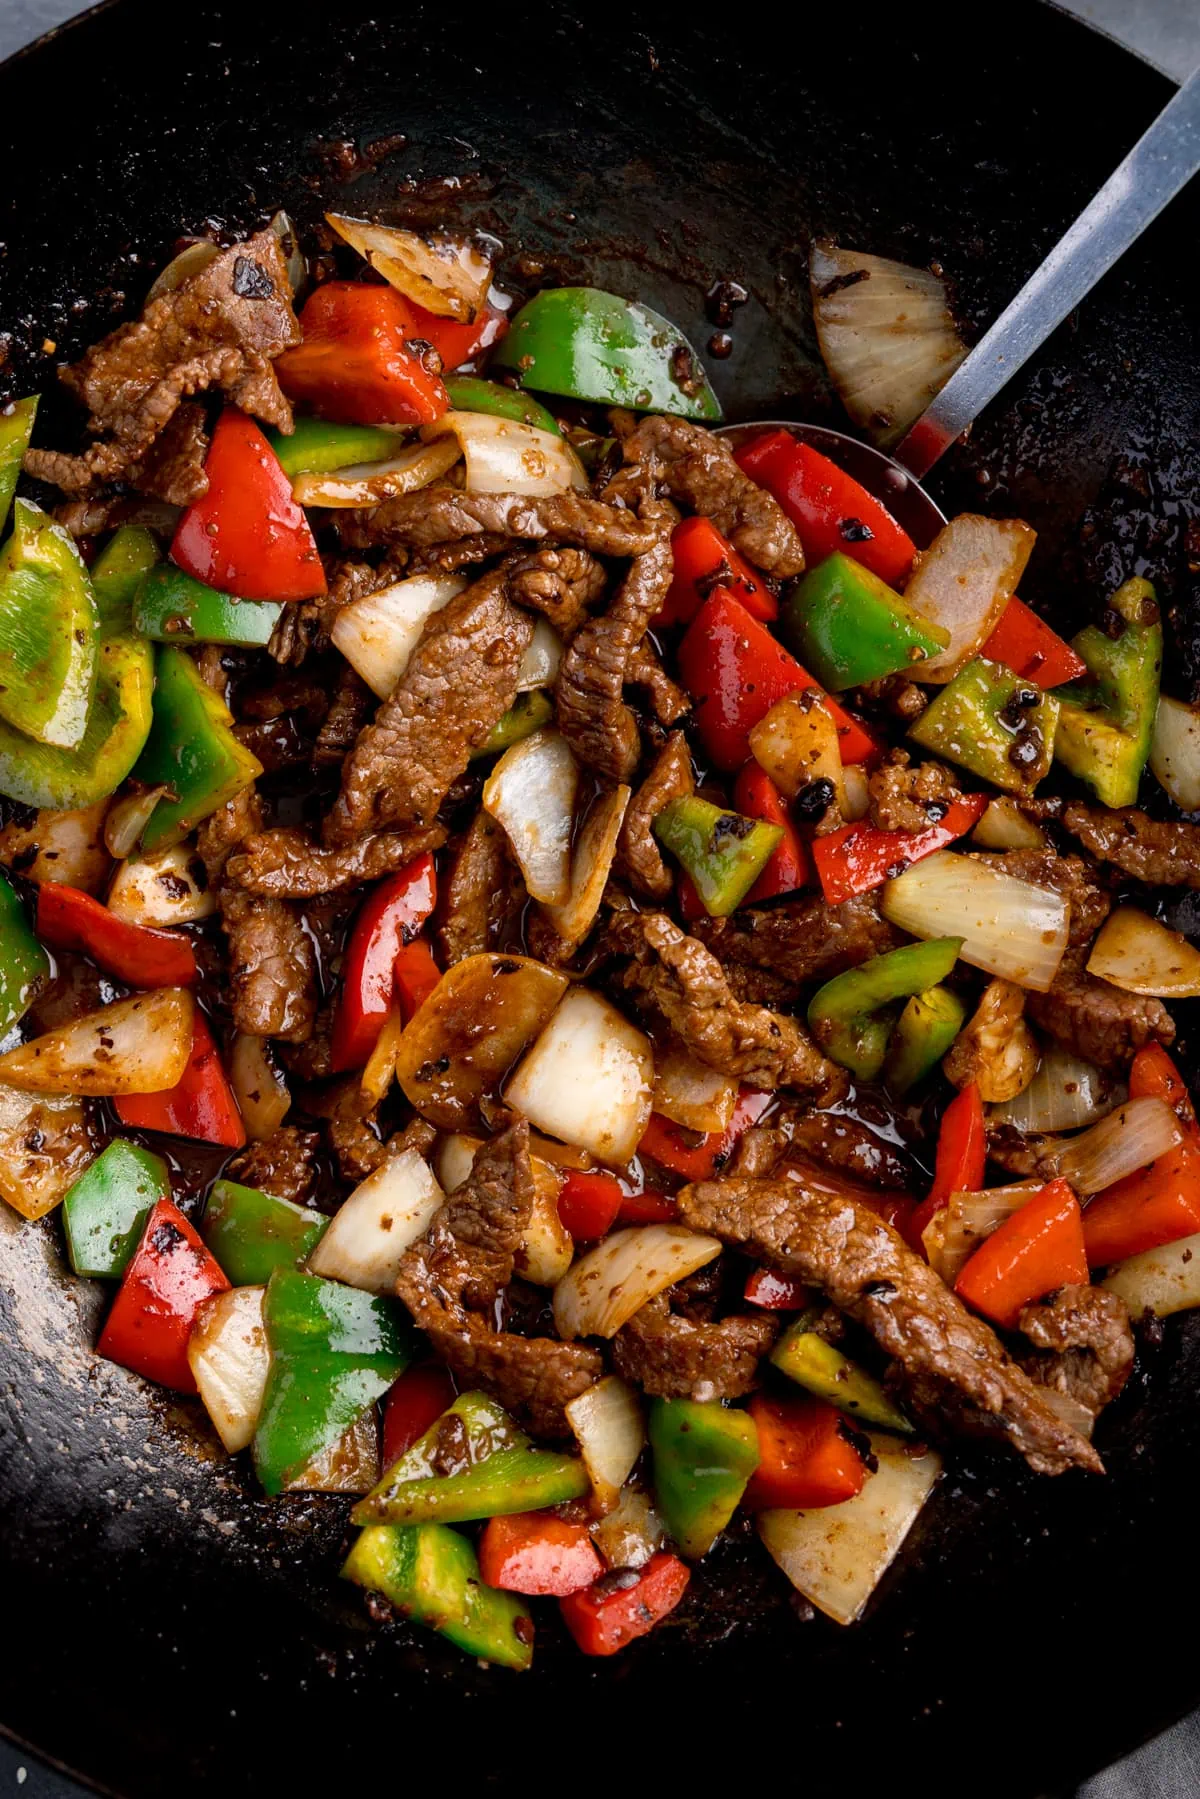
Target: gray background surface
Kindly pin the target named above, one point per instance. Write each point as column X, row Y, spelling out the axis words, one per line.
column 1166, row 33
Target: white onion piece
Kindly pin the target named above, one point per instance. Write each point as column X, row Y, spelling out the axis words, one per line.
column 1162, row 1281
column 797, row 742
column 60, row 846
column 1009, row 927
column 293, row 255
column 546, row 1246
column 351, row 1465
column 385, row 1213
column 963, row 582
column 856, row 792
column 542, row 660
column 136, row 1045
column 1175, row 752
column 1065, row 1094
column 445, row 275
column 1127, row 1139
column 380, row 1071
column 588, row 1078
column 632, row 1532
column 127, row 818
column 954, row 1234
column 507, row 456
column 261, row 1091
column 1137, row 953
column 368, row 483
column 591, row 864
column 690, row 1093
column 616, row 1278
column 168, row 888
column 44, row 1148
column 191, row 260
column 531, row 793
column 1005, row 827
column 378, row 632
column 837, row 1555
column 886, row 336
column 228, row 1355
column 611, row 1433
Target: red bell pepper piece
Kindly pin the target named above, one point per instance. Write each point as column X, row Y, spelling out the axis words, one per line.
column 246, row 535
column 861, row 856
column 537, row 1552
column 1158, row 1204
column 170, row 1276
column 807, row 1455
column 588, row 1204
column 416, row 974
column 776, row 1292
column 413, row 1403
column 454, row 343
column 604, row 1617
column 1037, row 1249
column 388, row 921
column 698, row 1155
column 70, row 919
column 829, row 508
column 960, row 1164
column 1153, row 1075
column 356, row 364
column 704, row 560
column 1027, row 645
column 200, row 1105
column 735, row 672
column 648, row 1207
column 756, row 796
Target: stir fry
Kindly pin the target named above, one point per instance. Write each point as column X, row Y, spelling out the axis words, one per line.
column 578, row 986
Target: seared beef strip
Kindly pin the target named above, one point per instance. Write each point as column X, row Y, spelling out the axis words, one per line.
column 287, row 863
column 563, row 583
column 955, row 1371
column 449, row 558
column 283, row 1164
column 638, row 855
column 349, row 712
column 679, row 979
column 678, row 1358
column 481, row 892
column 1095, row 1020
column 352, row 1126
column 667, row 700
column 1087, row 1345
column 173, row 467
column 438, row 515
column 802, row 939
column 845, row 1146
column 1159, row 853
column 910, row 799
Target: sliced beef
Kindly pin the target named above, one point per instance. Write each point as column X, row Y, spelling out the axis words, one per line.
column 562, row 583
column 352, row 1126
column 847, row 1146
column 899, row 696
column 1095, row 1020
column 667, row 700
column 460, row 680
column 173, row 467
column 286, row 863
column 1024, row 1155
column 285, row 1164
column 1070, row 877
column 306, row 624
column 760, row 986
column 675, row 1357
column 638, row 855
column 481, row 892
column 1159, row 852
column 954, row 1369
column 349, row 712
column 272, row 968
column 903, row 798
column 683, row 982
column 699, row 472
column 220, row 329
column 802, row 939
column 449, row 558
column 438, row 515
column 1086, row 1344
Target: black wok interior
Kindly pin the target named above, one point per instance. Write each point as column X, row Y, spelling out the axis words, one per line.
column 161, row 1628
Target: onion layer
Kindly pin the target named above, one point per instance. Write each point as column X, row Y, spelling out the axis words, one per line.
column 588, row 1078
column 1008, row 927
column 507, row 456
column 261, row 1091
column 445, row 275
column 955, row 1233
column 1137, row 953
column 531, row 793
column 1163, row 1280
column 690, row 1093
column 1136, row 1133
column 591, row 863
column 44, row 1148
column 963, row 582
column 168, row 888
column 386, row 1213
column 611, row 1432
column 136, row 1045
column 1175, row 752
column 616, row 1278
column 1005, row 827
column 1065, row 1094
column 228, row 1355
column 369, row 483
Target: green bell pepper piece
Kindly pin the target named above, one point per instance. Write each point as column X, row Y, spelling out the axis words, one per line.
column 117, row 572
column 924, row 1032
column 24, row 964
column 431, row 1573
column 723, row 852
column 527, row 714
column 191, row 749
column 848, row 1016
column 816, row 1365
column 848, row 626
column 589, row 345
column 172, row 607
column 473, row 1424
column 118, row 725
column 49, row 628
column 334, row 1352
column 16, row 429
column 704, row 1454
column 252, row 1233
column 513, row 1480
column 1106, row 721
column 318, row 446
column 992, row 722
column 106, row 1210
column 470, row 393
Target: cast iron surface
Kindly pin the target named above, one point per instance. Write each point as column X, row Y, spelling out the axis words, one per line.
column 162, row 1629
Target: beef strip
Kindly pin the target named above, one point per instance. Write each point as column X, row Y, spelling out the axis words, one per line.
column 449, row 558
column 173, row 467
column 760, row 987
column 683, row 982
column 1095, row 1020
column 306, row 624
column 638, row 855
column 698, row 470
column 439, row 515
column 481, row 892
column 1025, row 1155
column 452, row 1277
column 902, row 798
column 283, row 1164
column 902, row 698
column 460, row 680
column 352, row 1126
column 1159, row 852
column 668, row 702
column 1086, row 1344
column 286, row 863
column 802, row 939
column 562, row 583
column 954, row 1369
column 674, row 1357
column 217, row 329
column 349, row 711
column 847, row 1146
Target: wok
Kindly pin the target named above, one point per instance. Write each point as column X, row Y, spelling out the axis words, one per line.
column 161, row 1628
